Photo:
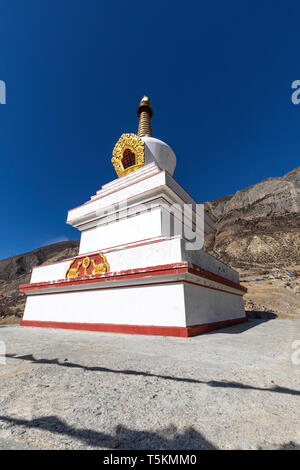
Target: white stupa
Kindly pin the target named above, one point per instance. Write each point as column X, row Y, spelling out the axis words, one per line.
column 140, row 267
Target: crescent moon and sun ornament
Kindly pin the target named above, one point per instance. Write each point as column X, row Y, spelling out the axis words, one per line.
column 87, row 266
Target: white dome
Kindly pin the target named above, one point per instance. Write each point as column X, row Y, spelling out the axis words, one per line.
column 159, row 152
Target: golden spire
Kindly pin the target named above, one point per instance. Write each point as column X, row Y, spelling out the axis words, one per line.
column 145, row 113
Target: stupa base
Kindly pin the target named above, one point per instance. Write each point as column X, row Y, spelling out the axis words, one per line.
column 171, row 300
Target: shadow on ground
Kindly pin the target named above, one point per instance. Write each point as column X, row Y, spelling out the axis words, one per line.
column 211, row 383
column 290, row 446
column 123, row 437
column 240, row 327
column 6, row 325
column 261, row 314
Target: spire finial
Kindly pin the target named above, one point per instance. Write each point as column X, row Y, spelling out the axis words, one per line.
column 145, row 113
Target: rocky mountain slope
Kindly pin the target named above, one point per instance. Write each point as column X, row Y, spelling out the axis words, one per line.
column 258, row 233
column 17, row 270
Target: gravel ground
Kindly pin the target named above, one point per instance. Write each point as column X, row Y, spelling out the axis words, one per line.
column 236, row 388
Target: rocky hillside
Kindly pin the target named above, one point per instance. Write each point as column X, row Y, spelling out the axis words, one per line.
column 258, row 233
column 17, row 270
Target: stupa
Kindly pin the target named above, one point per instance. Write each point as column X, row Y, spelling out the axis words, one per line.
column 141, row 268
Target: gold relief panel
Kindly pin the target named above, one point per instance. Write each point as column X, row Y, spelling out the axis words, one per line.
column 128, row 154
column 88, row 266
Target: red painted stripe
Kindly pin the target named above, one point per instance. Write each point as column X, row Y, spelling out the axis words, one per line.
column 147, row 201
column 117, row 189
column 109, row 205
column 152, row 168
column 177, row 331
column 181, row 281
column 153, row 271
column 198, row 271
column 176, row 268
column 144, row 241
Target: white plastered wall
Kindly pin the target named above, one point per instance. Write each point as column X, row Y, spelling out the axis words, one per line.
column 207, row 305
column 136, row 228
column 159, row 305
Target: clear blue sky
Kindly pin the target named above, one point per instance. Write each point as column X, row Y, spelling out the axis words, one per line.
column 218, row 74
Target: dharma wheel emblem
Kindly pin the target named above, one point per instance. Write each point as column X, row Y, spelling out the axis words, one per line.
column 87, row 266
column 86, row 262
